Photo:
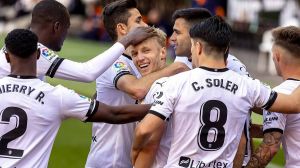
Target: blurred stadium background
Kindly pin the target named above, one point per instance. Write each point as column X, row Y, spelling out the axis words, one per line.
column 250, row 20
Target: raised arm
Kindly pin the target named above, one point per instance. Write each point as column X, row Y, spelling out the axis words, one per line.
column 138, row 88
column 288, row 104
column 90, row 70
column 118, row 114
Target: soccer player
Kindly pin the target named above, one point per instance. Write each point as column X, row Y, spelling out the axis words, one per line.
column 51, row 21
column 208, row 104
column 111, row 144
column 183, row 20
column 153, row 52
column 32, row 110
column 282, row 127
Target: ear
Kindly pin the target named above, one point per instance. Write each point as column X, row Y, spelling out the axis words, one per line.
column 122, row 29
column 163, row 53
column 56, row 26
column 199, row 47
column 7, row 57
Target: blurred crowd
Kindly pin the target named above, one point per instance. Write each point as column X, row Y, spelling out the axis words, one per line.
column 251, row 18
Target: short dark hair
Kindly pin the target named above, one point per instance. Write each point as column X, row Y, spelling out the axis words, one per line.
column 21, row 43
column 47, row 11
column 191, row 15
column 214, row 31
column 117, row 12
column 288, row 38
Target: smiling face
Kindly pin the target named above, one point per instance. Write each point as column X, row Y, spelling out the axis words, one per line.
column 149, row 56
column 181, row 38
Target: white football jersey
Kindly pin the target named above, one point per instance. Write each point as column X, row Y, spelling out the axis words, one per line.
column 288, row 124
column 237, row 66
column 50, row 64
column 165, row 142
column 111, row 143
column 209, row 107
column 31, row 114
column 47, row 64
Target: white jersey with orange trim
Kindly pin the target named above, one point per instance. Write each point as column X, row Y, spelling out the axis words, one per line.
column 208, row 107
column 111, row 143
column 286, row 124
column 31, row 114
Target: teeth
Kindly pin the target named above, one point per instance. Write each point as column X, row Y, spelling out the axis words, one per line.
column 144, row 65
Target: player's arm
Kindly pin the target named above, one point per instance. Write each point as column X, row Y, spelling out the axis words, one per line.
column 239, row 156
column 266, row 150
column 90, row 70
column 147, row 128
column 256, row 131
column 283, row 103
column 117, row 114
column 147, row 155
column 138, row 88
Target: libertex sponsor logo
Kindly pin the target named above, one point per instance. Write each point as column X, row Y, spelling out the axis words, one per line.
column 190, row 163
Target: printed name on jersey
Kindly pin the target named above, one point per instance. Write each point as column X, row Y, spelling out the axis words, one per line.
column 120, row 66
column 48, row 54
column 190, row 163
column 221, row 83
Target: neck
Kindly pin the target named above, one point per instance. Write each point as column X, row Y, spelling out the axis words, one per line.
column 42, row 35
column 212, row 63
column 23, row 68
column 293, row 75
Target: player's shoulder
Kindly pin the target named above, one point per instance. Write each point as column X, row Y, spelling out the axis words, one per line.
column 46, row 53
column 236, row 65
column 287, row 86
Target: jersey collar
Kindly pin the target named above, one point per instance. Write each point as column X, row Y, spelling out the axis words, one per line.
column 214, row 69
column 22, row 77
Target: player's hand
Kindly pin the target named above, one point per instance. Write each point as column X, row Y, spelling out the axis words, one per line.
column 137, row 35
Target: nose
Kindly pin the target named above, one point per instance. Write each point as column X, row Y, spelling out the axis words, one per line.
column 144, row 24
column 173, row 38
column 140, row 57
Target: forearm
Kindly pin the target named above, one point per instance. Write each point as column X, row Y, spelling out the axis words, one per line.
column 266, row 150
column 119, row 114
column 239, row 157
column 90, row 70
column 144, row 84
column 146, row 156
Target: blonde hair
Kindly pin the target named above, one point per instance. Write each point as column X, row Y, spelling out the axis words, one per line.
column 160, row 36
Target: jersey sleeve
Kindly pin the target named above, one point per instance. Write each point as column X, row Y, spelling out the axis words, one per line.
column 118, row 69
column 164, row 100
column 155, row 89
column 48, row 62
column 261, row 93
column 90, row 70
column 273, row 122
column 77, row 106
column 236, row 65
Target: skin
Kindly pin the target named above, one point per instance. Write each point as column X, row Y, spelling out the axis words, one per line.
column 181, row 37
column 149, row 56
column 287, row 66
column 155, row 58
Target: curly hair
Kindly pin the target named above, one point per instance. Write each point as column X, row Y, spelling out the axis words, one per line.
column 21, row 43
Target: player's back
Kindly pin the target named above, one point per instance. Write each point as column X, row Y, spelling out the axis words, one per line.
column 29, row 121
column 288, row 124
column 210, row 109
